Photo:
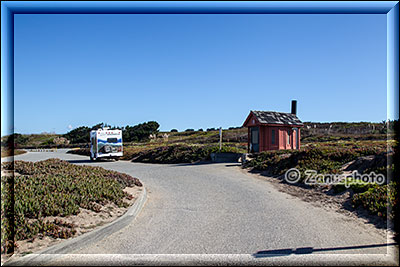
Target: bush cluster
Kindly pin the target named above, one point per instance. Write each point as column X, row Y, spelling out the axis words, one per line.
column 323, row 159
column 137, row 133
column 15, row 140
column 175, row 153
column 357, row 186
column 57, row 188
column 140, row 132
column 179, row 153
column 328, row 159
column 378, row 199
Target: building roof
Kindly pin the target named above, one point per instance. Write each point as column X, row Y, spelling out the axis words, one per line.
column 272, row 117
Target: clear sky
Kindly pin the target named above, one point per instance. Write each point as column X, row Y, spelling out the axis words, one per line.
column 196, row 71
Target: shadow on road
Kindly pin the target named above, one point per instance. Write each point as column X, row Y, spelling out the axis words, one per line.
column 310, row 250
column 88, row 161
column 191, row 164
column 204, row 163
column 81, row 161
column 233, row 164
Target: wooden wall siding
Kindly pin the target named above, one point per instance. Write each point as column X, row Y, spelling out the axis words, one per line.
column 248, row 139
column 266, row 138
column 282, row 143
column 283, row 138
column 262, row 139
column 281, row 135
column 276, row 145
column 299, row 137
column 252, row 121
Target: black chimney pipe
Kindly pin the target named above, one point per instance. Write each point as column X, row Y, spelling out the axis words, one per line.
column 294, row 107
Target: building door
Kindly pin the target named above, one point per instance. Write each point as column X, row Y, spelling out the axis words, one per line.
column 296, row 131
column 255, row 137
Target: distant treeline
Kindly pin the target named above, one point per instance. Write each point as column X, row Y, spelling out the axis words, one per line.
column 312, row 131
column 80, row 135
column 137, row 133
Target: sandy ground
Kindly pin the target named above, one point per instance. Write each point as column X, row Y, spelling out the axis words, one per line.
column 85, row 221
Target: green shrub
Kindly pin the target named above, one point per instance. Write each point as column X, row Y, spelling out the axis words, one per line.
column 377, row 199
column 323, row 159
column 355, row 185
column 49, row 142
column 78, row 135
column 57, row 188
column 179, row 153
column 139, row 132
column 381, row 170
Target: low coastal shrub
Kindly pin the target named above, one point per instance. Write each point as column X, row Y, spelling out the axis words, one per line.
column 179, row 153
column 176, row 153
column 356, row 185
column 324, row 160
column 329, row 159
column 55, row 187
column 378, row 199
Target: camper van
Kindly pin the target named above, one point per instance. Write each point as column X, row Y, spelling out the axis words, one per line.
column 105, row 143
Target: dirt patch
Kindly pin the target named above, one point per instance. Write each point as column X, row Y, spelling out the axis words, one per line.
column 323, row 197
column 85, row 221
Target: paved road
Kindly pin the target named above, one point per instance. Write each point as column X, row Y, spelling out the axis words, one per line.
column 217, row 209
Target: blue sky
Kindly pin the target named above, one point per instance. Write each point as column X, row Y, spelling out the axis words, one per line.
column 196, row 71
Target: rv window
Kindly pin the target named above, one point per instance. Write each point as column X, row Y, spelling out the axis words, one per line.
column 112, row 140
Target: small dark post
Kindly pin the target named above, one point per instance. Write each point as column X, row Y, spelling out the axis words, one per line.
column 294, row 107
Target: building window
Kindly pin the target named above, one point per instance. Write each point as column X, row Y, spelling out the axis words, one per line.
column 273, row 137
column 288, row 137
column 254, row 137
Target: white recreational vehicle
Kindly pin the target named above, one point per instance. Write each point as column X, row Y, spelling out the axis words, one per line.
column 105, row 143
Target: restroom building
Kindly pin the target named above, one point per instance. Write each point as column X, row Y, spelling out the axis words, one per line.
column 271, row 130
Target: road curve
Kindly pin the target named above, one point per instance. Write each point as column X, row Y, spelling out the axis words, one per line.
column 216, row 209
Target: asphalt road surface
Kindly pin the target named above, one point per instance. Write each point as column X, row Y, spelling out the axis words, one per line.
column 217, row 209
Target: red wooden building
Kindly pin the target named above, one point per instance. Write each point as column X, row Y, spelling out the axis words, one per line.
column 270, row 130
